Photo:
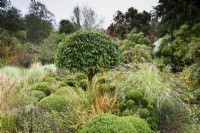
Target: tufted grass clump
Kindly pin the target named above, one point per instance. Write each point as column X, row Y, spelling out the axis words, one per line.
column 158, row 87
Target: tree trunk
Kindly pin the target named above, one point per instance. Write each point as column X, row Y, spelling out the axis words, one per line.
column 90, row 76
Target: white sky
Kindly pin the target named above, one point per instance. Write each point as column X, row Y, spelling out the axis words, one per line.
column 63, row 9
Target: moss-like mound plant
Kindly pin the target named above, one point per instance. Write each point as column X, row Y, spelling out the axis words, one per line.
column 135, row 103
column 140, row 124
column 37, row 94
column 53, row 102
column 50, row 80
column 108, row 123
column 74, row 98
column 24, row 100
column 134, row 95
column 43, row 86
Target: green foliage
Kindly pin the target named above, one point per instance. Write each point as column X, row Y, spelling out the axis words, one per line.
column 144, row 113
column 167, row 51
column 25, row 100
column 8, row 124
column 53, row 102
column 195, row 72
column 38, row 22
column 134, row 95
column 136, row 104
column 50, row 80
column 140, row 53
column 166, row 9
column 87, row 52
column 47, row 49
column 25, row 60
column 72, row 97
column 11, row 71
column 166, row 60
column 158, row 87
column 129, row 21
column 140, row 125
column 37, row 94
column 43, row 86
column 67, row 27
column 181, row 47
column 137, row 38
column 107, row 123
column 13, row 21
column 190, row 119
column 83, row 84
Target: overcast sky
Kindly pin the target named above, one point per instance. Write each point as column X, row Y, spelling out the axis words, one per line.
column 63, row 9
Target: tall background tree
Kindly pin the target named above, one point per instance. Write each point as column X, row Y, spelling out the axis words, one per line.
column 174, row 13
column 38, row 22
column 129, row 21
column 85, row 17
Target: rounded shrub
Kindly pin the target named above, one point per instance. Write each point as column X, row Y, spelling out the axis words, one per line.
column 43, row 86
column 37, row 94
column 140, row 125
column 57, row 78
column 70, row 81
column 167, row 51
column 122, row 106
column 144, row 113
column 167, row 60
column 53, row 102
column 62, row 84
column 24, row 100
column 50, row 80
column 144, row 102
column 128, row 112
column 72, row 97
column 107, row 123
column 134, row 95
column 130, row 104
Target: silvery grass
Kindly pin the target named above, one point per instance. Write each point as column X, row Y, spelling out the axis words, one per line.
column 14, row 81
column 159, row 87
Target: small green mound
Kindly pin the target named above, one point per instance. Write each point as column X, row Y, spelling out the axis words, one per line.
column 140, row 124
column 53, row 102
column 79, row 76
column 144, row 113
column 134, row 95
column 108, row 123
column 57, row 78
column 24, row 100
column 62, row 84
column 50, row 80
column 37, row 94
column 43, row 86
column 70, row 81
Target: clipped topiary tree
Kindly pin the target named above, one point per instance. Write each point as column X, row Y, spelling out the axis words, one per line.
column 87, row 52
